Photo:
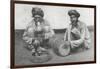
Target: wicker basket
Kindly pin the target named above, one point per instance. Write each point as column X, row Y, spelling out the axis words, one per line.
column 60, row 48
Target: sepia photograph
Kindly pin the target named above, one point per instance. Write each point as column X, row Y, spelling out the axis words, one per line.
column 48, row 34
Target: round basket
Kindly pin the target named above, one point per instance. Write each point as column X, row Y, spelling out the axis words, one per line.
column 44, row 57
column 60, row 47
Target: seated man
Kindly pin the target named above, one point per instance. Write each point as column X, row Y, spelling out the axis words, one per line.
column 38, row 31
column 77, row 33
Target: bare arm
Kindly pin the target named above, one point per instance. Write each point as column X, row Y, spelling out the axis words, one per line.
column 66, row 35
column 26, row 36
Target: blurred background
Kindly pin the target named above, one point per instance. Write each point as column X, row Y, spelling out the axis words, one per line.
column 56, row 15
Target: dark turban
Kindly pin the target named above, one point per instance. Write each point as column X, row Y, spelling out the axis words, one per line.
column 37, row 11
column 73, row 12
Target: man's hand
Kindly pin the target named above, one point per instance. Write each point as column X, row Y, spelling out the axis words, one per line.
column 47, row 35
column 74, row 44
column 36, row 42
column 29, row 41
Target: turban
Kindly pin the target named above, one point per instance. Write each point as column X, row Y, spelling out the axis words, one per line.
column 37, row 11
column 73, row 12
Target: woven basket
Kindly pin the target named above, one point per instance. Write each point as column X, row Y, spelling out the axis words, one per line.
column 60, row 48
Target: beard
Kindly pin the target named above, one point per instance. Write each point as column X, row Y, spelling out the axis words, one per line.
column 38, row 19
column 74, row 22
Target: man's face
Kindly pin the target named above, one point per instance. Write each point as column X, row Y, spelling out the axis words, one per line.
column 37, row 18
column 73, row 19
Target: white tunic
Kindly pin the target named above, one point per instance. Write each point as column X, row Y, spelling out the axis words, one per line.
column 78, row 35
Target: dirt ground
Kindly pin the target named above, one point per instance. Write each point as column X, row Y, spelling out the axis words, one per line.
column 23, row 56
